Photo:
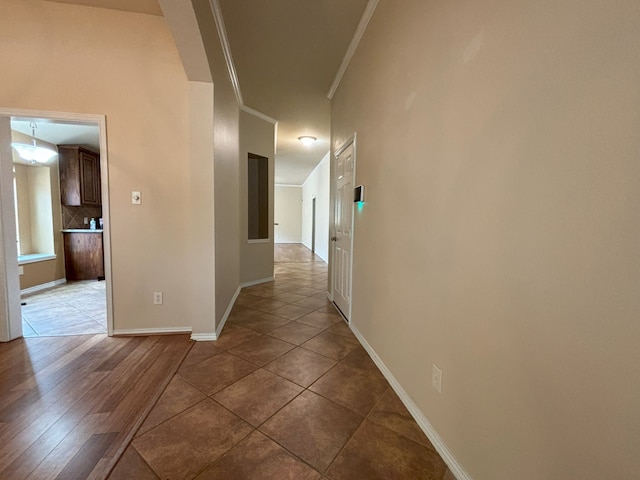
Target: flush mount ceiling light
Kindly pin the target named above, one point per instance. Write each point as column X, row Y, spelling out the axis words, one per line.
column 307, row 140
column 31, row 152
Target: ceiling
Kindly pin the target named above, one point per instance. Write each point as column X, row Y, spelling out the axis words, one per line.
column 286, row 54
column 60, row 133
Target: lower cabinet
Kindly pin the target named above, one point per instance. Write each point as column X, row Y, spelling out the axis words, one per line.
column 83, row 256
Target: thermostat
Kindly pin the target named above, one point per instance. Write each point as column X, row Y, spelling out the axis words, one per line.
column 358, row 194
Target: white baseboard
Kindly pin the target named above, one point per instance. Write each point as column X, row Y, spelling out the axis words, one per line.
column 204, row 337
column 44, row 286
column 427, row 428
column 152, row 331
column 212, row 337
column 256, row 282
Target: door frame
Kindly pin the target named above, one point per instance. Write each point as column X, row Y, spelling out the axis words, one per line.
column 313, row 225
column 11, row 267
column 334, row 158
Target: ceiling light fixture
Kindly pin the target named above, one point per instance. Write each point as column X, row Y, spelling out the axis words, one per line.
column 33, row 153
column 307, row 140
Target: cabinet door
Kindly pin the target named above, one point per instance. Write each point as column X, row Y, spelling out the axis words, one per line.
column 83, row 256
column 69, row 176
column 89, row 179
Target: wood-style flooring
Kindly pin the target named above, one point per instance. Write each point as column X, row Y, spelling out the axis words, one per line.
column 70, row 405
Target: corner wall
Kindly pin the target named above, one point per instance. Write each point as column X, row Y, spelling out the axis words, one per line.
column 498, row 142
column 226, row 154
column 257, row 136
column 317, row 186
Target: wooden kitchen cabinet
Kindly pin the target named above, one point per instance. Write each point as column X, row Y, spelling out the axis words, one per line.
column 79, row 176
column 83, row 256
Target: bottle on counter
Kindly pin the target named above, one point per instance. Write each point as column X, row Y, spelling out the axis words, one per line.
column 92, row 224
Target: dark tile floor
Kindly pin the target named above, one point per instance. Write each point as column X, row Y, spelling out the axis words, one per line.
column 73, row 308
column 287, row 392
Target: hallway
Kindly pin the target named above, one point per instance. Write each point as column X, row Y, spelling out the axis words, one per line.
column 287, row 392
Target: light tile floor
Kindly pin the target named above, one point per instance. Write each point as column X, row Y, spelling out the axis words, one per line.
column 287, row 392
column 73, row 308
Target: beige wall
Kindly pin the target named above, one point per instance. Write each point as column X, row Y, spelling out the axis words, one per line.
column 257, row 136
column 288, row 214
column 125, row 66
column 226, row 166
column 40, row 273
column 498, row 142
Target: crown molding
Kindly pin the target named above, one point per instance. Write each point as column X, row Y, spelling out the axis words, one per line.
column 258, row 114
column 226, row 49
column 357, row 36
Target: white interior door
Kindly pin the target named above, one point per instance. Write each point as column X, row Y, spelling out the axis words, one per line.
column 343, row 229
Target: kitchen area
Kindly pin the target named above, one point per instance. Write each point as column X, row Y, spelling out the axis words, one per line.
column 82, row 223
column 60, row 230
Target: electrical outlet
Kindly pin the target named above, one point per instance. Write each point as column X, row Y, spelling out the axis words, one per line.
column 436, row 378
column 157, row 298
column 86, row 220
column 20, row 270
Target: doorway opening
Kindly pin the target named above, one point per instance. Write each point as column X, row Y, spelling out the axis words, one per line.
column 61, row 224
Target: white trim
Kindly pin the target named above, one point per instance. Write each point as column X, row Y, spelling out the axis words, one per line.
column 44, row 286
column 256, row 282
column 35, row 258
column 330, row 297
column 259, row 240
column 227, row 312
column 345, row 145
column 357, row 36
column 455, row 467
column 216, row 335
column 258, row 114
column 151, row 331
column 226, row 49
column 204, row 337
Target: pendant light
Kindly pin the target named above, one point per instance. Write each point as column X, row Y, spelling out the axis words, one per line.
column 33, row 153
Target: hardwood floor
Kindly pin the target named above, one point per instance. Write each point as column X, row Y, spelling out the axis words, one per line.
column 70, row 405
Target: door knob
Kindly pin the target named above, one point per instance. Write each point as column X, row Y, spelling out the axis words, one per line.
column 333, row 239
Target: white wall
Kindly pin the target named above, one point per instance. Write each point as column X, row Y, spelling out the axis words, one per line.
column 288, row 214
column 317, row 186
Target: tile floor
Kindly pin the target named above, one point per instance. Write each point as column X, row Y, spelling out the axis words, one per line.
column 287, row 392
column 73, row 308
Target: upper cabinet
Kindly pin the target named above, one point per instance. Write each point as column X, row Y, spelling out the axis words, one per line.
column 79, row 176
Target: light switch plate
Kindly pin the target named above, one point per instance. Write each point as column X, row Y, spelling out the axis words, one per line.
column 136, row 198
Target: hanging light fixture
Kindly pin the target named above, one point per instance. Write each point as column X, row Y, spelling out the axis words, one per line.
column 31, row 152
column 307, row 140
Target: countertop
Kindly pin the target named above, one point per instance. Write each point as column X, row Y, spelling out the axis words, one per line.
column 80, row 230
